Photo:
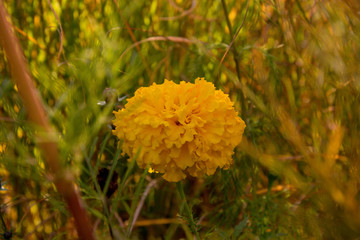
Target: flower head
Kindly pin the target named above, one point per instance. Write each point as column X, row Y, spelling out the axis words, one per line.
column 180, row 128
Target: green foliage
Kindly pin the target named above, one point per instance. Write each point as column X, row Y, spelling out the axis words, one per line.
column 296, row 173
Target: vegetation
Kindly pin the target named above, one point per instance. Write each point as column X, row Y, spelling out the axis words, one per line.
column 291, row 67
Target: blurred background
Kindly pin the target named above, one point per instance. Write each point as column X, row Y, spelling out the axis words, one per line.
column 292, row 71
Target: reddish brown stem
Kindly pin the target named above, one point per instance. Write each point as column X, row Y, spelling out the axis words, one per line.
column 45, row 133
column 133, row 38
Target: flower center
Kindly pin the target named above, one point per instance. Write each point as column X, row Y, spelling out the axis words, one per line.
column 178, row 123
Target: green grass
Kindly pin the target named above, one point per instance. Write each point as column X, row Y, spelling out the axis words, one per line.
column 296, row 86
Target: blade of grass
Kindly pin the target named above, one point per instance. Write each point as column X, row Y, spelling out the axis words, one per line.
column 135, row 200
column 118, row 199
column 128, row 171
column 112, row 169
column 102, row 149
column 102, row 193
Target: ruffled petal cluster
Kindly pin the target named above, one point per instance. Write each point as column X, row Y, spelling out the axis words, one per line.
column 180, row 129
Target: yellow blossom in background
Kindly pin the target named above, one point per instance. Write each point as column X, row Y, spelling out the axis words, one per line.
column 180, row 128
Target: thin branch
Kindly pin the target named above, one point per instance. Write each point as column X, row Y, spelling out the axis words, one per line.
column 133, row 38
column 158, row 38
column 183, row 14
column 160, row 221
column 120, row 221
column 236, row 34
column 141, row 203
column 172, row 3
column 61, row 32
column 7, row 119
column 235, row 53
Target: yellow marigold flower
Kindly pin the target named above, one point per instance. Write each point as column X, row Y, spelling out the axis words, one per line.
column 180, row 128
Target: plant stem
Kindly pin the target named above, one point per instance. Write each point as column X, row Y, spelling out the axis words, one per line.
column 233, row 49
column 187, row 210
column 236, row 55
column 3, row 222
column 46, row 135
